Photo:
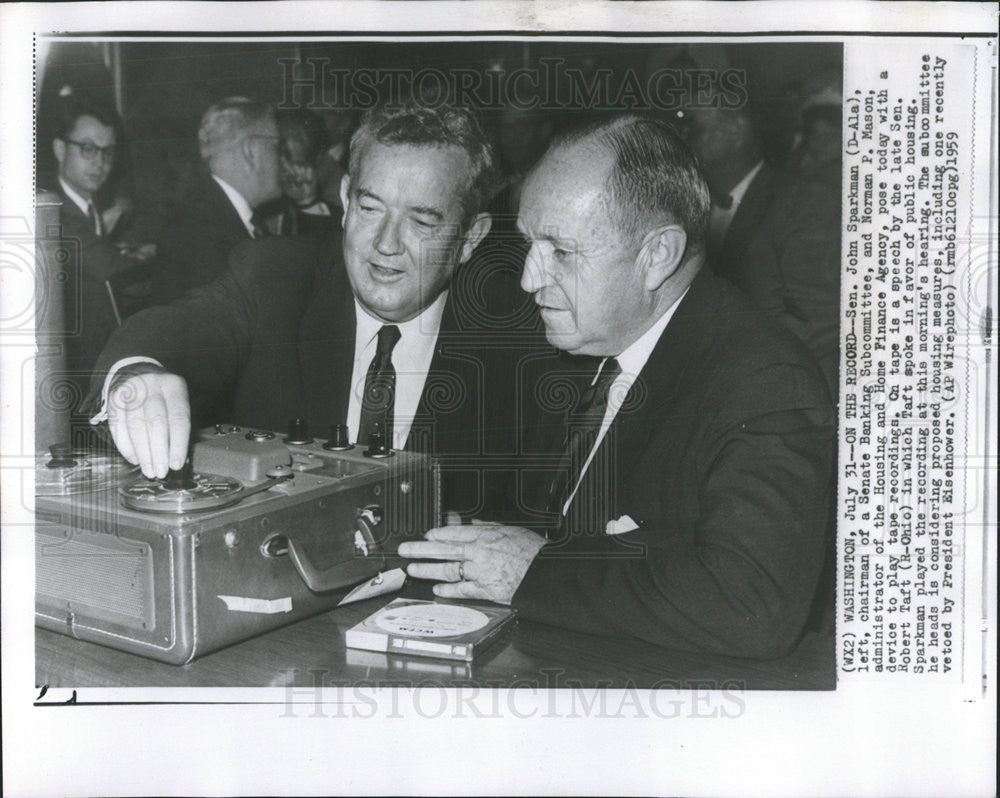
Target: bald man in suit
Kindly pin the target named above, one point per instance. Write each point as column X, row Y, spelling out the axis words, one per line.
column 691, row 494
column 238, row 142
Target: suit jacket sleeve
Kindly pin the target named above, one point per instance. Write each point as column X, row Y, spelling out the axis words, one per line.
column 735, row 575
column 90, row 317
column 204, row 336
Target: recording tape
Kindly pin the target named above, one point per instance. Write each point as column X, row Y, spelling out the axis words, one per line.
column 76, row 471
column 432, row 620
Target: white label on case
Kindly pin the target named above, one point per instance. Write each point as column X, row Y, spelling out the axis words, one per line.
column 259, row 606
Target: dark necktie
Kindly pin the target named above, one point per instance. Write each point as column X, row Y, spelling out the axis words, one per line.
column 583, row 426
column 259, row 228
column 95, row 219
column 380, row 388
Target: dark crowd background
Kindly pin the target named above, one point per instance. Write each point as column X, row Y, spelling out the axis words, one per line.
column 790, row 92
column 161, row 89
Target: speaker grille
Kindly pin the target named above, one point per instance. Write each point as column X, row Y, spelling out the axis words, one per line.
column 101, row 576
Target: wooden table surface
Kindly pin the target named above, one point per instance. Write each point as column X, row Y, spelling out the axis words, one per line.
column 311, row 653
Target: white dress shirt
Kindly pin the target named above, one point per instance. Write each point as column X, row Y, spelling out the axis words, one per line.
column 239, row 203
column 631, row 361
column 318, row 208
column 81, row 203
column 411, row 358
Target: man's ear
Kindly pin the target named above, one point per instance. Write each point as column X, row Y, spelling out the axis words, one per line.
column 59, row 150
column 248, row 154
column 476, row 232
column 345, row 191
column 661, row 253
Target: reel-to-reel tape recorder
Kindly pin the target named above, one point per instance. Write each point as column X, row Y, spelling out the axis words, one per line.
column 260, row 531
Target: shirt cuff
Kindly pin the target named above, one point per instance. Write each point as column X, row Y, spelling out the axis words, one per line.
column 102, row 414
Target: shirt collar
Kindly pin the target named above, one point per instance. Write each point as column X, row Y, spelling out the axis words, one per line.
column 637, row 353
column 79, row 201
column 427, row 322
column 740, row 189
column 239, row 203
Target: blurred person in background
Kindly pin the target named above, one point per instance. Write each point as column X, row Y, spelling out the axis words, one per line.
column 331, row 166
column 818, row 153
column 301, row 209
column 238, row 142
column 771, row 233
column 84, row 145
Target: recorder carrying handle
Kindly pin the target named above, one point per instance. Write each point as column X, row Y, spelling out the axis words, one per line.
column 339, row 575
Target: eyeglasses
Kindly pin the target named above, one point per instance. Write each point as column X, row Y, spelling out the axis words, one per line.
column 90, row 151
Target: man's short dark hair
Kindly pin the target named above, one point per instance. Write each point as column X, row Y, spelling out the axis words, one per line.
column 409, row 122
column 654, row 178
column 71, row 108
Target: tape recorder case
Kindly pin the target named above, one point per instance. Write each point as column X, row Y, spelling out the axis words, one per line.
column 261, row 531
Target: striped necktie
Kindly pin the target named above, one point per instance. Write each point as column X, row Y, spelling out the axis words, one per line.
column 583, row 427
column 379, row 399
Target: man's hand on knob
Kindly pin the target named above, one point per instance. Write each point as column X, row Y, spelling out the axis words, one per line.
column 149, row 416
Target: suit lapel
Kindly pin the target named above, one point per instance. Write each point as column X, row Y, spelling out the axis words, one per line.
column 446, row 367
column 326, row 343
column 218, row 206
column 326, row 359
column 746, row 221
column 651, row 394
column 438, row 359
column 74, row 221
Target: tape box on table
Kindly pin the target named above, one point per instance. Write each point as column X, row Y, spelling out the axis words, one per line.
column 260, row 531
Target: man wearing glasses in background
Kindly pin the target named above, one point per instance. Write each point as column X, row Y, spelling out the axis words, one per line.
column 238, row 142
column 84, row 142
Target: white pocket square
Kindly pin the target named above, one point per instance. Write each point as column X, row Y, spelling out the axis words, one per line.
column 620, row 526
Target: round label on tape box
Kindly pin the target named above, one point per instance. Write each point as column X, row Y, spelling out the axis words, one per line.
column 432, row 620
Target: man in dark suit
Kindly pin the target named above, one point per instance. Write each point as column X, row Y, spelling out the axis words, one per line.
column 691, row 499
column 84, row 146
column 238, row 143
column 325, row 330
column 772, row 234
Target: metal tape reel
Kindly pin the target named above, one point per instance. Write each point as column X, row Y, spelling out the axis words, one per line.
column 211, row 492
column 89, row 472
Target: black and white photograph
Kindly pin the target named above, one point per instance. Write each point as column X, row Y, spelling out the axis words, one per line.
column 462, row 396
